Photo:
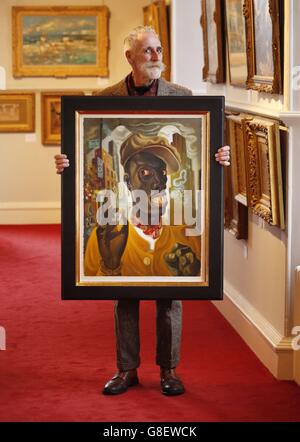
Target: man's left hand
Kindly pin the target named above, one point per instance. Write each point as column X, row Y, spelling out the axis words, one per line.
column 223, row 156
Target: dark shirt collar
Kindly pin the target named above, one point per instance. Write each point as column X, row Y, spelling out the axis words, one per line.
column 150, row 90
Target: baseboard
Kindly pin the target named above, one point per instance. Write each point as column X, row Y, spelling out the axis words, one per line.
column 274, row 350
column 30, row 213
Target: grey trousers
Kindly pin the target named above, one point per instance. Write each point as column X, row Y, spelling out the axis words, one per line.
column 168, row 333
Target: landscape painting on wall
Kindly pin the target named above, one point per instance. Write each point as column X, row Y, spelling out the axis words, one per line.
column 60, row 41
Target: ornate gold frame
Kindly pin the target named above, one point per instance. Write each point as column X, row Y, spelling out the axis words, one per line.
column 264, row 172
column 238, row 155
column 100, row 68
column 26, row 103
column 48, row 99
column 235, row 213
column 156, row 15
column 272, row 84
column 208, row 75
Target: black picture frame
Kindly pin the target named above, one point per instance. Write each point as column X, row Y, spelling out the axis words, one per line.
column 73, row 107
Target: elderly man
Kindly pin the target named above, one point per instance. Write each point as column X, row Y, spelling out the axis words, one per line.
column 144, row 53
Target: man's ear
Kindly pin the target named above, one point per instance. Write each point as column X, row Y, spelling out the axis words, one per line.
column 128, row 55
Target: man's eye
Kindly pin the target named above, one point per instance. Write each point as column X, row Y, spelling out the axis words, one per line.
column 145, row 173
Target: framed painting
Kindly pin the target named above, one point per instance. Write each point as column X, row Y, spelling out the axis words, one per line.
column 235, row 213
column 51, row 116
column 263, row 45
column 213, row 41
column 142, row 198
column 238, row 163
column 236, row 42
column 157, row 15
column 264, row 171
column 60, row 41
column 17, row 111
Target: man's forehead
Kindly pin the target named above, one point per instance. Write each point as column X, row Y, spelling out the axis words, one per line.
column 148, row 39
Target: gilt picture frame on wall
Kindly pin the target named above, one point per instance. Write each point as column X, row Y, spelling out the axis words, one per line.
column 60, row 41
column 213, row 41
column 264, row 170
column 51, row 116
column 157, row 15
column 264, row 51
column 236, row 42
column 238, row 155
column 17, row 111
column 142, row 200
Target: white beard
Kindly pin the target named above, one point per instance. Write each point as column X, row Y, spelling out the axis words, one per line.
column 152, row 70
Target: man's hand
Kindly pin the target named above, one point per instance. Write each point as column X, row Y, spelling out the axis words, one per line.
column 182, row 261
column 112, row 241
column 61, row 162
column 223, row 156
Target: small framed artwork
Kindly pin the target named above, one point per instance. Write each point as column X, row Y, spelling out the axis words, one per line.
column 213, row 41
column 157, row 15
column 238, row 163
column 51, row 115
column 236, row 42
column 142, row 198
column 235, row 213
column 60, row 41
column 264, row 171
column 17, row 111
column 263, row 45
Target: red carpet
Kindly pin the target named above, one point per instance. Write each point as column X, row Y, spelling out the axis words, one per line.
column 60, row 353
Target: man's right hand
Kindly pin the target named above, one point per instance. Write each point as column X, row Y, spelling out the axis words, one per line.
column 61, row 161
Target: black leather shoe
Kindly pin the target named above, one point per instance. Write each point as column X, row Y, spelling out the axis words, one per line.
column 171, row 385
column 120, row 382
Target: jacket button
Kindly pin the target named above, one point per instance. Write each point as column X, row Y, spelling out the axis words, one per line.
column 147, row 261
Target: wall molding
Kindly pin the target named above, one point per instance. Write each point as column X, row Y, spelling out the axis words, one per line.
column 30, row 212
column 272, row 348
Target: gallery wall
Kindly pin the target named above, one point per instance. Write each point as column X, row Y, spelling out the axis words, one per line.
column 258, row 286
column 30, row 189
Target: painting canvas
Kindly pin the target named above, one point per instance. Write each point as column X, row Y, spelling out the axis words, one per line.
column 264, row 49
column 236, row 37
column 60, row 41
column 213, row 41
column 143, row 211
column 51, row 115
column 17, row 112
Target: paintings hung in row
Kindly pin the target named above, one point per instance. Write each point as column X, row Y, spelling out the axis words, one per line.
column 257, row 165
column 254, row 43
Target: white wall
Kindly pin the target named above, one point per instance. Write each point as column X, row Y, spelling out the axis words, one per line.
column 258, row 272
column 30, row 189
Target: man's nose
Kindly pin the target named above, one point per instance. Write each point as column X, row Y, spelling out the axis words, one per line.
column 155, row 55
column 159, row 182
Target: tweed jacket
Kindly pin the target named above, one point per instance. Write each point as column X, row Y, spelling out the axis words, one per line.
column 164, row 88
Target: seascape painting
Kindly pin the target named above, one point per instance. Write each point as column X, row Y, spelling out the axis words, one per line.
column 65, row 40
column 60, row 41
